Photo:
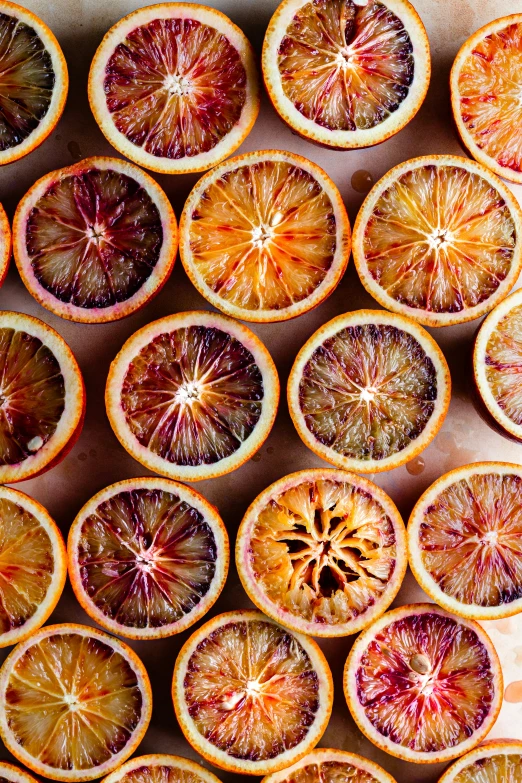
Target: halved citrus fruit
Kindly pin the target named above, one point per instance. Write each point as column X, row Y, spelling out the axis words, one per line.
column 9, row 773
column 369, row 390
column 439, row 238
column 422, row 684
column 95, row 241
column 5, row 243
column 465, row 540
column 498, row 761
column 148, row 557
column 42, row 397
column 160, row 768
column 485, row 96
column 346, row 73
column 174, row 87
column 250, row 696
column 74, row 702
column 322, row 551
column 265, row 236
column 324, row 765
column 33, row 82
column 193, row 395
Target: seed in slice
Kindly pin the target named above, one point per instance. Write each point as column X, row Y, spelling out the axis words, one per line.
column 265, row 236
column 147, row 557
column 498, row 761
column 42, row 397
column 250, row 696
column 322, row 551
column 193, row 395
column 343, row 73
column 174, row 87
column 324, row 765
column 439, row 238
column 160, row 768
column 9, row 773
column 74, row 702
column 369, row 391
column 422, row 684
column 5, row 244
column 95, row 241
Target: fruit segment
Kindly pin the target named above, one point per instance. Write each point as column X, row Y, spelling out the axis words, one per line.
column 503, row 363
column 161, row 768
column 499, row 761
column 323, row 765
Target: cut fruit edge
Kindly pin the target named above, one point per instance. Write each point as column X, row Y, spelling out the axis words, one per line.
column 485, row 750
column 6, row 243
column 152, row 285
column 283, row 616
column 325, row 755
column 161, row 760
column 14, row 774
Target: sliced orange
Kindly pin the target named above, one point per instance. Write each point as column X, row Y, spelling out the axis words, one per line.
column 148, row 557
column 422, row 684
column 74, row 702
column 324, row 765
column 322, row 551
column 439, row 238
column 95, row 241
column 369, row 391
column 485, row 96
column 12, row 774
column 42, row 397
column 498, row 761
column 265, row 236
column 193, row 395
column 33, row 82
column 5, row 244
column 160, row 768
column 250, row 696
column 345, row 73
column 174, row 87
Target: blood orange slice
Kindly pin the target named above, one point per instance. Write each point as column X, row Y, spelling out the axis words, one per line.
column 174, row 87
column 147, row 557
column 498, row 761
column 5, row 244
column 369, row 390
column 344, row 73
column 323, row 765
column 42, row 397
column 322, row 551
column 11, row 774
column 161, row 768
column 265, row 236
column 423, row 684
column 74, row 703
column 95, row 241
column 193, row 395
column 439, row 238
column 250, row 696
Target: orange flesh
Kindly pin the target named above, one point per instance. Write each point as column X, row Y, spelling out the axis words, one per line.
column 501, row 768
column 489, row 94
column 346, row 66
column 503, row 357
column 471, row 539
column 160, row 773
column 439, row 239
column 263, row 236
column 329, row 772
column 251, row 690
column 323, row 550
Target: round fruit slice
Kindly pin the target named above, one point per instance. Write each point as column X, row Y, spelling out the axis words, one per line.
column 265, row 236
column 323, row 765
column 74, row 702
column 5, row 241
column 498, row 761
column 250, row 696
column 322, row 551
column 465, row 540
column 369, row 391
column 95, row 241
column 174, row 87
column 423, row 684
column 33, row 82
column 439, row 238
column 346, row 73
column 11, row 774
column 193, row 395
column 161, row 768
column 42, row 397
column 147, row 557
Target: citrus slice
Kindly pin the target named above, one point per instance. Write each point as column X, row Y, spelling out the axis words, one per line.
column 174, row 87
column 498, row 761
column 74, row 702
column 423, row 684
column 250, row 696
column 322, row 551
column 33, row 82
column 465, row 540
column 33, row 566
column 42, row 397
column 439, row 238
column 485, row 96
column 323, row 765
column 160, row 768
column 345, row 73
column 5, row 243
column 265, row 236
column 193, row 395
column 95, row 241
column 497, row 365
column 9, row 773
column 369, row 391
column 147, row 557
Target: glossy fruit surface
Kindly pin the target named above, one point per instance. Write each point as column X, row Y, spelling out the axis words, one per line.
column 161, row 768
column 497, row 761
column 323, row 765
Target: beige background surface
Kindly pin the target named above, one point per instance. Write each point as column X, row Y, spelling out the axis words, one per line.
column 98, row 460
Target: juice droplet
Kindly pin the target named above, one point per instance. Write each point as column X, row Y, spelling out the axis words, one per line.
column 362, row 181
column 513, row 692
column 74, row 150
column 416, row 466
